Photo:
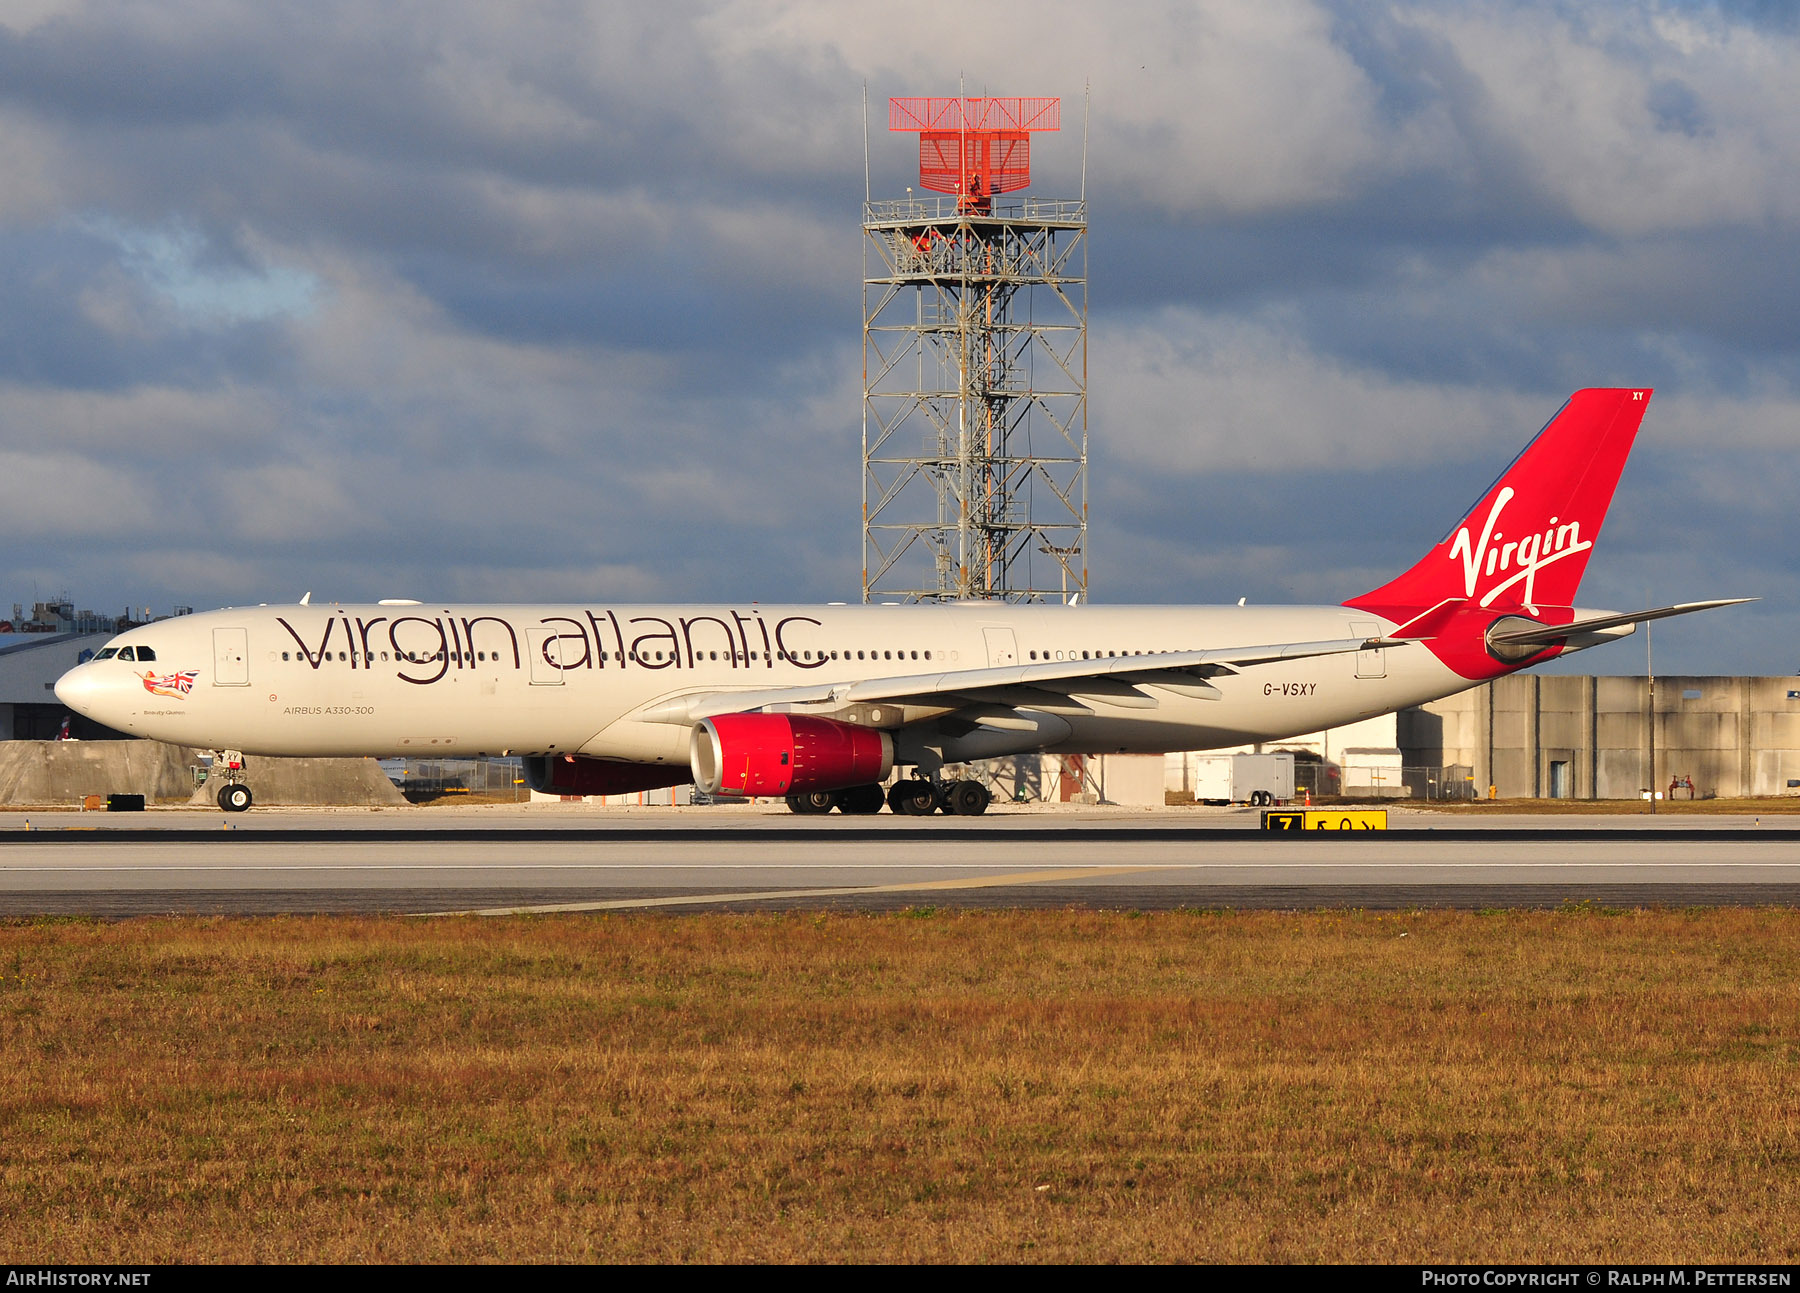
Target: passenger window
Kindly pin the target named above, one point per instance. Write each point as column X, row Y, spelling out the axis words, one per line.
column 915, row 655
column 928, row 655
column 859, row 655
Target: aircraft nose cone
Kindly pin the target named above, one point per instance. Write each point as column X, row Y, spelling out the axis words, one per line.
column 79, row 689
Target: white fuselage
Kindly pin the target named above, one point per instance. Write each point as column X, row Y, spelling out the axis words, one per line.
column 468, row 680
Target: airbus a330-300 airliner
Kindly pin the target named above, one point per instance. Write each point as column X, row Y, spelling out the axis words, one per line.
column 821, row 703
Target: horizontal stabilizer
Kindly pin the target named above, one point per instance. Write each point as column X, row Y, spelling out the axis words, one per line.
column 1428, row 624
column 1546, row 634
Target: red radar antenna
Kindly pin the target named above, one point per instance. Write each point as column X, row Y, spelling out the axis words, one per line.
column 974, row 148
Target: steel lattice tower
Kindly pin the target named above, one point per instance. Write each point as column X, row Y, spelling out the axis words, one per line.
column 974, row 367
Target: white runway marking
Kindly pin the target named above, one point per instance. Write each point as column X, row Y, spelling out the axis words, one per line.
column 860, row 891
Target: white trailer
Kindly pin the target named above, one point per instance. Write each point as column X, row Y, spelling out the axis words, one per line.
column 1242, row 778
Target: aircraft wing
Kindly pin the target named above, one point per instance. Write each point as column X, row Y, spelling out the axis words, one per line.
column 1114, row 679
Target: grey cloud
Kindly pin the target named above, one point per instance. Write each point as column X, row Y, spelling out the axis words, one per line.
column 580, row 286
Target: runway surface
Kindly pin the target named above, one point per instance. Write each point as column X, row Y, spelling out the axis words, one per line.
column 511, row 860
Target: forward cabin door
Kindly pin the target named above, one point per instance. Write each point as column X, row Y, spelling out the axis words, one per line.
column 545, row 653
column 1002, row 647
column 231, row 657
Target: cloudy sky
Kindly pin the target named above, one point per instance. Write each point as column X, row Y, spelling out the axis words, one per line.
column 562, row 300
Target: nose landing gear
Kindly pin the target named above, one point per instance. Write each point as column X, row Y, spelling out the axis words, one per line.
column 234, row 796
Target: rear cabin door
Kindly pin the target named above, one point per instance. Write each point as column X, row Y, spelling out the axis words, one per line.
column 1002, row 647
column 231, row 657
column 1370, row 664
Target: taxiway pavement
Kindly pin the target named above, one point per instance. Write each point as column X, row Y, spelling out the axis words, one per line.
column 531, row 859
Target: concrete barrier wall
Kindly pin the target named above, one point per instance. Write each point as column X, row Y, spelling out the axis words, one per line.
column 348, row 783
column 64, row 772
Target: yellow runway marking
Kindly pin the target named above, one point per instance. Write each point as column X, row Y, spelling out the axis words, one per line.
column 920, row 886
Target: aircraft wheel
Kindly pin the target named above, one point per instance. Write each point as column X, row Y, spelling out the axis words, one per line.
column 235, row 798
column 860, row 800
column 913, row 798
column 812, row 803
column 966, row 798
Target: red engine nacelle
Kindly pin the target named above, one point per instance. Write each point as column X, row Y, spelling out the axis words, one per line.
column 575, row 774
column 786, row 754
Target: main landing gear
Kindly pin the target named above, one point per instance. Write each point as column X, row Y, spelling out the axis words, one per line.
column 234, row 796
column 909, row 797
column 855, row 801
column 913, row 797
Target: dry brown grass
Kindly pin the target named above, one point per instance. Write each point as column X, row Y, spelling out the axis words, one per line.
column 1765, row 806
column 1574, row 1085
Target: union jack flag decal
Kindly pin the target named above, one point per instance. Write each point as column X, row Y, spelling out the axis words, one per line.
column 171, row 684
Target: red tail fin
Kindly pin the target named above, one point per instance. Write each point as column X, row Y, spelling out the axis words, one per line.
column 1526, row 543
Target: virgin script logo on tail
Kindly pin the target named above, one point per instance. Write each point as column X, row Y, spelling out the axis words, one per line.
column 1522, row 557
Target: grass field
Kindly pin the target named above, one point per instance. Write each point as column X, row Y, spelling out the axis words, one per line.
column 1513, row 1086
column 1771, row 806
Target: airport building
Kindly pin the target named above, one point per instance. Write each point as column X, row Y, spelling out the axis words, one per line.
column 1548, row 737
column 30, row 664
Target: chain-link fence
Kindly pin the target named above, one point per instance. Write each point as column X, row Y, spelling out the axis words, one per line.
column 1402, row 781
column 425, row 779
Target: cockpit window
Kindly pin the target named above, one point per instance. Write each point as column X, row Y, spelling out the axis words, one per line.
column 145, row 653
column 126, row 653
column 107, row 653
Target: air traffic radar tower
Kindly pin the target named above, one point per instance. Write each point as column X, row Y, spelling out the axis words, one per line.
column 974, row 366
